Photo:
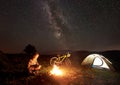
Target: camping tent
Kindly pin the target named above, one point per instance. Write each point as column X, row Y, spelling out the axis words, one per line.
column 97, row 61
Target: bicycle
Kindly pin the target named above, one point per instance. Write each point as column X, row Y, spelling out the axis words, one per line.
column 60, row 60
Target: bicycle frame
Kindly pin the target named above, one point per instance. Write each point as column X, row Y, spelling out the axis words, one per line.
column 62, row 58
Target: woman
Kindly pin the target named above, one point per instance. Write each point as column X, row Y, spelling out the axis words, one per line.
column 33, row 65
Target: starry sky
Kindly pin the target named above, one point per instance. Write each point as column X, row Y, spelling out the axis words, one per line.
column 52, row 25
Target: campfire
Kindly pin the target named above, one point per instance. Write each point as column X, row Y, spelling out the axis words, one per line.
column 56, row 71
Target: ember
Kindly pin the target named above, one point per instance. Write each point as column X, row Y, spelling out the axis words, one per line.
column 56, row 71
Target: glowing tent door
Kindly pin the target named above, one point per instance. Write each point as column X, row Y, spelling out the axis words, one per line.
column 100, row 63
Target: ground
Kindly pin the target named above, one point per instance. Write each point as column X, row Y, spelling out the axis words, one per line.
column 13, row 72
column 73, row 76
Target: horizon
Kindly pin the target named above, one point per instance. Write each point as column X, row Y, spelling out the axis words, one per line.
column 62, row 51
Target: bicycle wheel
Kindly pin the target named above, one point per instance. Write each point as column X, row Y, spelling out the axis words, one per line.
column 53, row 60
column 67, row 62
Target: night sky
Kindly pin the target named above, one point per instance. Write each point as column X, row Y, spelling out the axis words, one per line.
column 52, row 25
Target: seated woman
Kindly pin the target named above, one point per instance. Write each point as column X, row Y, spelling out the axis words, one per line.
column 33, row 65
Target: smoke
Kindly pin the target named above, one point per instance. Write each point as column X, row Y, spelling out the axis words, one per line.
column 56, row 21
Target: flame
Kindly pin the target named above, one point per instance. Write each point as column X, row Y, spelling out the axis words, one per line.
column 56, row 71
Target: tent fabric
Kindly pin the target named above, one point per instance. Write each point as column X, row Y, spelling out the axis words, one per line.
column 97, row 61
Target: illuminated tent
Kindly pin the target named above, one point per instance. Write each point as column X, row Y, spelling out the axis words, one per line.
column 97, row 61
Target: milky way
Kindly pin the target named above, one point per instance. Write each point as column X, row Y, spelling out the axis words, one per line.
column 57, row 21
